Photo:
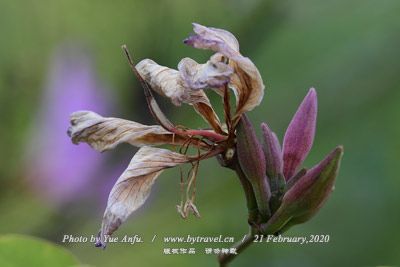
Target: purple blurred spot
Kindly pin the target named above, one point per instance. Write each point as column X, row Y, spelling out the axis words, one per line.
column 58, row 169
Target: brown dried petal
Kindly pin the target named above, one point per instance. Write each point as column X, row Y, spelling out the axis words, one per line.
column 133, row 186
column 106, row 133
column 213, row 74
column 247, row 84
column 209, row 115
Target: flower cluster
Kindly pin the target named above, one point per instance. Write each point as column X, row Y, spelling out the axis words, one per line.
column 293, row 194
column 278, row 194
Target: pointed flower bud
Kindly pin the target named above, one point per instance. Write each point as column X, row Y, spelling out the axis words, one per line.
column 272, row 152
column 252, row 161
column 274, row 165
column 299, row 136
column 307, row 195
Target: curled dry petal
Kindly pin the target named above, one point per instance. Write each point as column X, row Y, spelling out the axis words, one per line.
column 246, row 81
column 133, row 186
column 299, row 136
column 213, row 39
column 163, row 80
column 304, row 199
column 213, row 74
column 169, row 83
column 106, row 133
column 247, row 84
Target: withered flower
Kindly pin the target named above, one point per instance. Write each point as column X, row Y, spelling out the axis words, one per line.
column 227, row 68
column 278, row 193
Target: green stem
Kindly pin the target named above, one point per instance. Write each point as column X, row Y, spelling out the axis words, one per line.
column 251, row 202
column 224, row 259
column 253, row 211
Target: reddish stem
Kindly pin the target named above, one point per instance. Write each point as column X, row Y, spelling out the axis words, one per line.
column 213, row 136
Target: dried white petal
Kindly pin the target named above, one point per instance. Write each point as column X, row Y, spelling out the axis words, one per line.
column 213, row 74
column 133, row 186
column 106, row 133
column 163, row 80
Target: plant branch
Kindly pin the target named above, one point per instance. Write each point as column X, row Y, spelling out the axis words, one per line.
column 224, row 259
column 253, row 212
column 251, row 202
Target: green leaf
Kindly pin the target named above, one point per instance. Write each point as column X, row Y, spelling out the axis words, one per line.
column 19, row 250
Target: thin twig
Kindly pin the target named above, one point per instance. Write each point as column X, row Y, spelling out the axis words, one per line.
column 252, row 208
column 224, row 259
column 153, row 106
column 214, row 152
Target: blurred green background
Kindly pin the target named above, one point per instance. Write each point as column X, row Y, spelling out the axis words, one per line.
column 348, row 50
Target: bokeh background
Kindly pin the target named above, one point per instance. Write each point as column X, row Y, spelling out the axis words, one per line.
column 59, row 56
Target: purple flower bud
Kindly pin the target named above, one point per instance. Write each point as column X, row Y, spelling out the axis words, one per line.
column 272, row 151
column 299, row 136
column 274, row 165
column 307, row 195
column 252, row 161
